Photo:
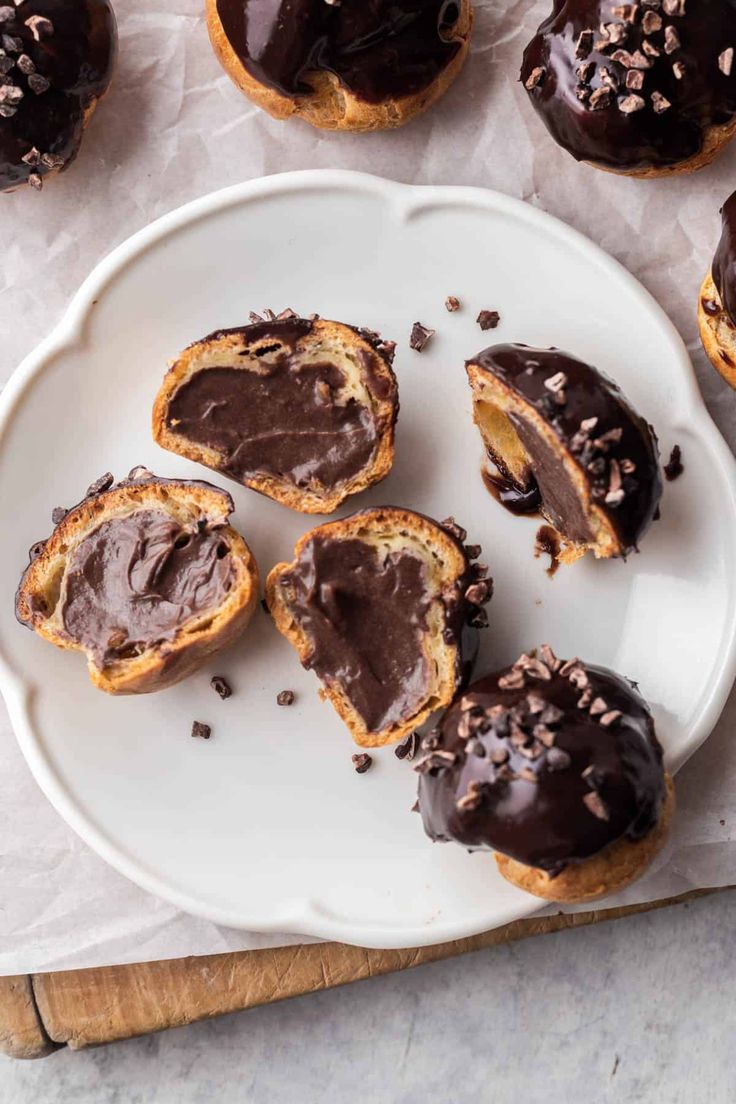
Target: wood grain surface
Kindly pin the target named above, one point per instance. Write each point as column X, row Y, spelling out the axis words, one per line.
column 81, row 1008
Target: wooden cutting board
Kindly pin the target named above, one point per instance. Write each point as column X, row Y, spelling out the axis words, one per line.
column 40, row 1013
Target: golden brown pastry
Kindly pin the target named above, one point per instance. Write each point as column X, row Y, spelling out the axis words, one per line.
column 717, row 299
column 302, row 410
column 644, row 89
column 556, row 768
column 381, row 606
column 565, row 443
column 56, row 61
column 350, row 65
column 145, row 577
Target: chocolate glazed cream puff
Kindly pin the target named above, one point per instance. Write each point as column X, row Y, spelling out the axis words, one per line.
column 56, row 60
column 566, row 443
column 342, row 64
column 644, row 89
column 555, row 767
column 717, row 299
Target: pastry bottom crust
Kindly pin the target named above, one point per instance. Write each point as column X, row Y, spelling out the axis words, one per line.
column 717, row 332
column 601, row 875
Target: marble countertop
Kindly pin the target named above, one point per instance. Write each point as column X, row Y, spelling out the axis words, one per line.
column 637, row 1010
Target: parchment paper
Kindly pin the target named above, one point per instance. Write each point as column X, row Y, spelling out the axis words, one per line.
column 172, row 128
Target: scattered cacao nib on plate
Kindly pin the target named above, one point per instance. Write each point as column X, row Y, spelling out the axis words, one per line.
column 362, row 763
column 452, row 304
column 408, row 748
column 674, row 466
column 203, row 731
column 221, row 686
column 420, row 337
column 285, row 697
column 488, row 319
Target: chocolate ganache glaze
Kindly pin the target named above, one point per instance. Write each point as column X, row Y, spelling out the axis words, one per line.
column 379, row 49
column 614, row 447
column 56, row 57
column 280, row 421
column 547, row 762
column 633, row 86
column 136, row 579
column 364, row 613
column 724, row 262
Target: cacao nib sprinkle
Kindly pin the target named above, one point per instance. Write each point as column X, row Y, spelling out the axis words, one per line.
column 285, row 697
column 420, row 337
column 408, row 748
column 488, row 319
column 362, row 763
column 452, row 304
column 674, row 466
column 221, row 687
column 200, row 730
column 536, row 77
column 58, row 514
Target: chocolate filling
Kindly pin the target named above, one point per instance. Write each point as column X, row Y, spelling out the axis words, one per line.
column 629, row 86
column 379, row 49
column 286, row 420
column 724, row 262
column 51, row 71
column 364, row 612
column 133, row 582
column 612, row 445
column 539, row 778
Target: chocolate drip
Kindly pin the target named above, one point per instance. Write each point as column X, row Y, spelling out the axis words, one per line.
column 517, row 500
column 135, row 580
column 724, row 262
column 549, row 770
column 613, row 446
column 57, row 56
column 286, row 420
column 632, row 86
column 379, row 49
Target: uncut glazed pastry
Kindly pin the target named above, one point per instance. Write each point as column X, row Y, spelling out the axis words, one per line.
column 645, row 89
column 300, row 409
column 555, row 767
column 347, row 65
column 145, row 577
column 56, row 60
column 383, row 607
column 567, row 444
column 717, row 299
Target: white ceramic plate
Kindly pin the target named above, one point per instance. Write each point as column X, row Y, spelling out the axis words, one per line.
column 266, row 826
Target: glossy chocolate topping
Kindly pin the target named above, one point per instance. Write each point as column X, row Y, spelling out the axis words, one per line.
column 724, row 262
column 614, row 447
column 545, row 762
column 287, row 420
column 56, row 56
column 633, row 86
column 135, row 580
column 379, row 49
